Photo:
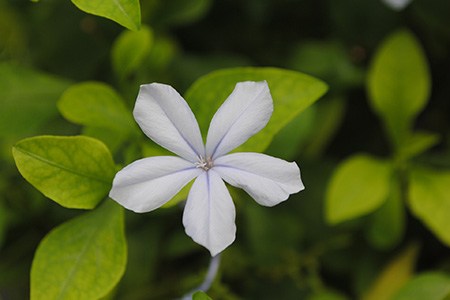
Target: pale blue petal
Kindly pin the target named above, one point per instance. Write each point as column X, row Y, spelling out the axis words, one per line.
column 266, row 179
column 166, row 118
column 148, row 183
column 246, row 111
column 209, row 213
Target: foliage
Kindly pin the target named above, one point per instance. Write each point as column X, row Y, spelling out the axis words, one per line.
column 374, row 220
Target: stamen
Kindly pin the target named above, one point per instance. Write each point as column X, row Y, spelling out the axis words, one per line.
column 204, row 164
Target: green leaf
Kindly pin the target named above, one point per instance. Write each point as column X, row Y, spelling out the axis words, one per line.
column 75, row 172
column 430, row 200
column 292, row 93
column 327, row 60
column 399, row 82
column 83, row 258
column 394, row 275
column 331, row 112
column 426, row 286
column 200, row 295
column 130, row 49
column 27, row 99
column 387, row 224
column 125, row 12
column 177, row 12
column 97, row 105
column 289, row 140
column 358, row 186
column 327, row 294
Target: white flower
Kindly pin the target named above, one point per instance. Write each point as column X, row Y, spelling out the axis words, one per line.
column 209, row 214
column 397, row 4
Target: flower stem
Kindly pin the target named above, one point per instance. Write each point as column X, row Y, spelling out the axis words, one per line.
column 209, row 278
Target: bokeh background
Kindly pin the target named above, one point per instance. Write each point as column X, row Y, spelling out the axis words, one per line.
column 286, row 252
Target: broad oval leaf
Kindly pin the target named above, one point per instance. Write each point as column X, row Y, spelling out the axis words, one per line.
column 399, row 82
column 429, row 200
column 83, row 258
column 130, row 49
column 358, row 186
column 75, row 172
column 96, row 104
column 125, row 12
column 292, row 93
column 426, row 286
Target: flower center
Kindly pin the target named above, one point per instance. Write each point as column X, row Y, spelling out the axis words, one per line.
column 204, row 163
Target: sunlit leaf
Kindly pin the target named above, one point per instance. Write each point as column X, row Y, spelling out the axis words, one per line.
column 83, row 258
column 426, row 286
column 27, row 99
column 394, row 275
column 429, row 200
column 358, row 186
column 75, row 172
column 292, row 93
column 130, row 49
column 399, row 82
column 125, row 12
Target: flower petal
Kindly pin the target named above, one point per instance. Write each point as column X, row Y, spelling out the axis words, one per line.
column 209, row 213
column 246, row 111
column 166, row 118
column 266, row 179
column 148, row 183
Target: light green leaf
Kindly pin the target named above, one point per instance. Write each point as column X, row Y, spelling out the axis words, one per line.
column 27, row 99
column 292, row 93
column 130, row 49
column 387, row 224
column 399, row 82
column 426, row 286
column 200, row 295
column 75, row 172
column 430, row 200
column 125, row 12
column 83, row 258
column 358, row 186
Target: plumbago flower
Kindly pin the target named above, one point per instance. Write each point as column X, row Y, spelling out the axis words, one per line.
column 209, row 214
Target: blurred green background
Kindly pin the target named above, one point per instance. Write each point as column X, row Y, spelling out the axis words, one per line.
column 286, row 252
